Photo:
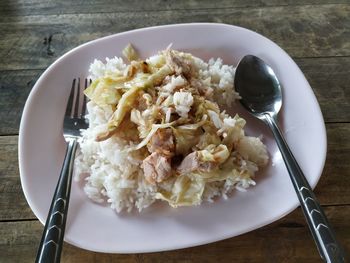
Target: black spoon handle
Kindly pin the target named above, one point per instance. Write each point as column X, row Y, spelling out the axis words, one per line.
column 322, row 232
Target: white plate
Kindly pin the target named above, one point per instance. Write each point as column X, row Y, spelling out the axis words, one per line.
column 98, row 228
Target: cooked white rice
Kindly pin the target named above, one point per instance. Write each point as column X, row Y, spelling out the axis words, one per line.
column 115, row 177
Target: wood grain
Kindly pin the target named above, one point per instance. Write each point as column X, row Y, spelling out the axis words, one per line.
column 329, row 79
column 335, row 180
column 12, row 202
column 35, row 41
column 286, row 240
column 39, row 7
column 316, row 33
column 14, row 87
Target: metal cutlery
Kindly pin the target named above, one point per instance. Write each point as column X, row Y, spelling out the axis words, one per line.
column 261, row 95
column 52, row 239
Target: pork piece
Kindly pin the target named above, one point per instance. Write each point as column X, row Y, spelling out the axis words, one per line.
column 192, row 163
column 156, row 168
column 162, row 142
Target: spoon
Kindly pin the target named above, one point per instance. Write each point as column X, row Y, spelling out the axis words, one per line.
column 261, row 95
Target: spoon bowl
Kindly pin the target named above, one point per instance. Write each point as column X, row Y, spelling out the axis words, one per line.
column 263, row 90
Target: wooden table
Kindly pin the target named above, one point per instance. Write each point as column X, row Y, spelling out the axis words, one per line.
column 34, row 33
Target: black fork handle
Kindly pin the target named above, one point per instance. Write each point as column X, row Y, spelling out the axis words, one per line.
column 50, row 247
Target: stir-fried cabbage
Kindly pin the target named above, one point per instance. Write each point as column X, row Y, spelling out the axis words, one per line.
column 185, row 139
column 124, row 106
column 212, row 153
column 102, row 92
column 127, row 100
column 208, row 137
column 130, row 53
column 203, row 106
column 144, row 142
column 186, row 191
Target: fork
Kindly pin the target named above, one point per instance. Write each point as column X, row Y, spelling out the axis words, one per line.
column 52, row 239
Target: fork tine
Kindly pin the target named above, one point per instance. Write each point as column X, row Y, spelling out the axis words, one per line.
column 83, row 111
column 76, row 100
column 70, row 102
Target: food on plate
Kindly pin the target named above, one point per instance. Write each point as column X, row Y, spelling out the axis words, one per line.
column 158, row 131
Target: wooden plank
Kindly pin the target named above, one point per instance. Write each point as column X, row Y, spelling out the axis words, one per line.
column 334, row 180
column 14, row 87
column 286, row 240
column 329, row 78
column 303, row 31
column 12, row 202
column 13, row 205
column 332, row 189
column 39, row 7
column 8, row 157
